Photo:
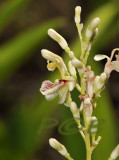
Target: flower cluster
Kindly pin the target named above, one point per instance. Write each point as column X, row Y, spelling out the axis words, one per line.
column 90, row 85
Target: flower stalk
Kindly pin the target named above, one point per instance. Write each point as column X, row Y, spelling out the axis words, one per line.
column 90, row 86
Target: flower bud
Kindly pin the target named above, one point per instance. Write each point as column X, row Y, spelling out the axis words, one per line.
column 71, row 69
column 91, row 28
column 88, row 107
column 93, row 125
column 78, row 64
column 58, row 38
column 95, row 33
column 94, row 24
column 71, row 54
column 77, row 14
column 115, row 153
column 74, row 110
column 58, row 146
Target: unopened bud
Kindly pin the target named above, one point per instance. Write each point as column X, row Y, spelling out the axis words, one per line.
column 71, row 54
column 88, row 107
column 115, row 153
column 77, row 14
column 58, row 146
column 87, row 101
column 76, row 63
column 94, row 143
column 94, row 24
column 95, row 33
column 58, row 38
column 91, row 28
column 71, row 69
column 93, row 125
column 74, row 110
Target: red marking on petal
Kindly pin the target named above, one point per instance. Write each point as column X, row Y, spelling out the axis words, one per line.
column 63, row 80
column 47, row 85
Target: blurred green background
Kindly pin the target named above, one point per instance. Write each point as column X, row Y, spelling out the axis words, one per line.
column 27, row 120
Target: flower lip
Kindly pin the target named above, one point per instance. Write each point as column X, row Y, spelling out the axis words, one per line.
column 48, row 87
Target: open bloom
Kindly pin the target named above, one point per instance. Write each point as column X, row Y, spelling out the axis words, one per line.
column 60, row 87
column 110, row 65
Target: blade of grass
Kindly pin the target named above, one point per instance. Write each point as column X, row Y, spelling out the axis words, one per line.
column 9, row 9
column 16, row 51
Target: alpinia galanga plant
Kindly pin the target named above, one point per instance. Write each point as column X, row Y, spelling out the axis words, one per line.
column 90, row 86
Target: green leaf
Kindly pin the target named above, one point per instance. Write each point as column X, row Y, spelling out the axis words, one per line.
column 9, row 9
column 20, row 48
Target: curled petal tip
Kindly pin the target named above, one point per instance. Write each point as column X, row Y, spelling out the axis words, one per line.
column 100, row 57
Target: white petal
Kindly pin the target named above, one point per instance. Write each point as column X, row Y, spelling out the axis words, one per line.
column 63, row 94
column 49, row 88
column 103, row 77
column 51, row 96
column 71, row 83
column 100, row 57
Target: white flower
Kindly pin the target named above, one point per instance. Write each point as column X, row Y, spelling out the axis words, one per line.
column 110, row 65
column 60, row 87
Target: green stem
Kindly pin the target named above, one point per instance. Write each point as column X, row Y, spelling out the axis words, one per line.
column 68, row 156
column 88, row 148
